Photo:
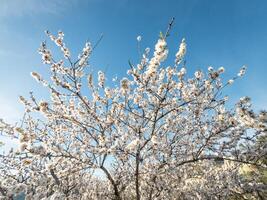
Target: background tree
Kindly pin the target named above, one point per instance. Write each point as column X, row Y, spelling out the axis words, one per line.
column 155, row 134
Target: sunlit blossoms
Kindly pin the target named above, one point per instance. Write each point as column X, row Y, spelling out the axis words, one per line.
column 85, row 54
column 101, row 79
column 159, row 133
column 181, row 52
column 46, row 54
column 139, row 38
column 242, row 71
column 160, row 54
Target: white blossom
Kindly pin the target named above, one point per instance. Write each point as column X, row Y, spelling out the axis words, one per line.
column 198, row 74
column 242, row 71
column 157, row 133
column 133, row 145
column 101, row 79
column 125, row 84
column 221, row 70
column 181, row 52
column 231, row 81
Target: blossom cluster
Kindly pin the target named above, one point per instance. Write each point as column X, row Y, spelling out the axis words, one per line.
column 157, row 134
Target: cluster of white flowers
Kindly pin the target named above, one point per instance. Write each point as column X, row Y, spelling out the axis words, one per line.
column 157, row 134
column 59, row 42
column 182, row 72
column 46, row 54
column 43, row 106
column 198, row 74
column 101, row 79
column 85, row 54
column 133, row 145
column 181, row 52
column 108, row 92
column 125, row 85
column 242, row 71
column 160, row 54
column 221, row 70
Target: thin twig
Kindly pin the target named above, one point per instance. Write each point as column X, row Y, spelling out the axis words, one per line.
column 169, row 28
column 98, row 41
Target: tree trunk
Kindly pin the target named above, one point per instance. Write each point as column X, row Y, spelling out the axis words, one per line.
column 116, row 190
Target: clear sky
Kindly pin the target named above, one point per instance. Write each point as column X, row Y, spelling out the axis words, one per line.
column 227, row 33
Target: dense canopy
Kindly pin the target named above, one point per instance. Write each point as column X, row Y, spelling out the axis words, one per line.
column 155, row 134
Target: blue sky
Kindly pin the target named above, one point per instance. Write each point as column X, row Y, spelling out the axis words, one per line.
column 227, row 33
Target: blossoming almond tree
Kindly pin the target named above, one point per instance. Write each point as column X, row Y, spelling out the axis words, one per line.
column 156, row 134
